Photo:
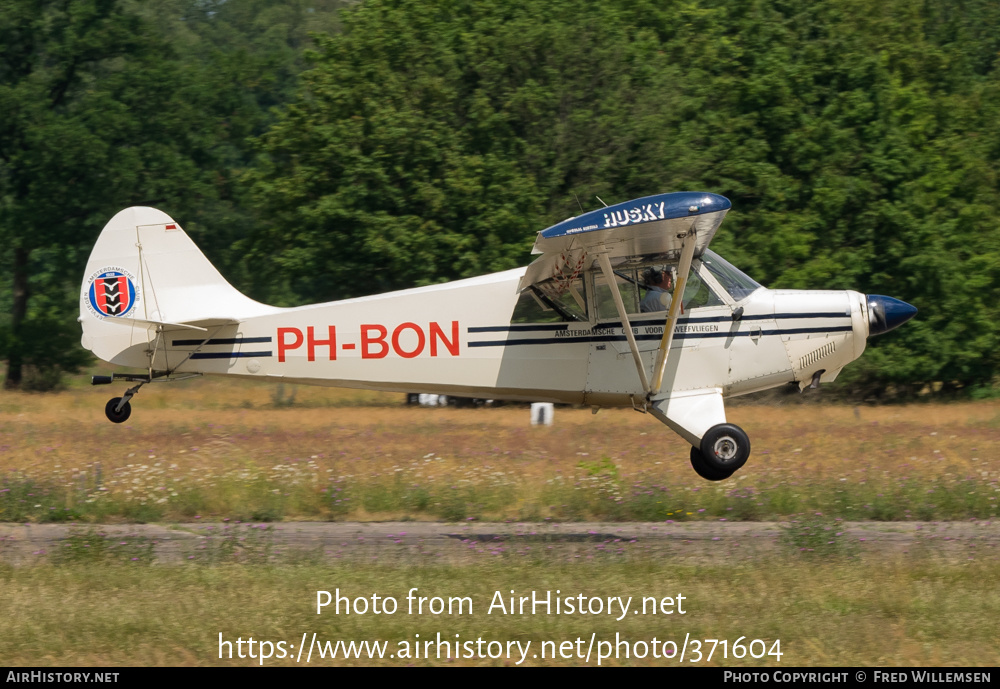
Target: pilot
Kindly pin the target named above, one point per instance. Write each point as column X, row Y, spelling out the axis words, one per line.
column 659, row 281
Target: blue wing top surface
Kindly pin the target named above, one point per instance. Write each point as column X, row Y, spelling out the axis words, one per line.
column 672, row 206
column 648, row 226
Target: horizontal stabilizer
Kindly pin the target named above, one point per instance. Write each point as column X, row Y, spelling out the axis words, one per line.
column 201, row 325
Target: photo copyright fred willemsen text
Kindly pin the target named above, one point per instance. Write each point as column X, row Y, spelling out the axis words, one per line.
column 441, row 646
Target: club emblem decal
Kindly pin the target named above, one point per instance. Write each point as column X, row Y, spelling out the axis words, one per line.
column 111, row 293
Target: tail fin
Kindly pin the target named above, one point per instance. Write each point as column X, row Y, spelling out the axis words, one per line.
column 144, row 271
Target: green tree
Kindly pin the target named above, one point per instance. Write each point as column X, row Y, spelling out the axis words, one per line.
column 240, row 62
column 432, row 140
column 59, row 126
column 865, row 160
column 111, row 103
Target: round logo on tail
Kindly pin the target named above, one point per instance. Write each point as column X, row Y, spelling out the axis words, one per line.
column 111, row 292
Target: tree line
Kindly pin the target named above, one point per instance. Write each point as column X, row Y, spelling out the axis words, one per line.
column 318, row 151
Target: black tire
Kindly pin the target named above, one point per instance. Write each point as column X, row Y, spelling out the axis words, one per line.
column 725, row 448
column 119, row 416
column 703, row 470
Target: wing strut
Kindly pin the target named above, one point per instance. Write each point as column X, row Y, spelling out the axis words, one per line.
column 688, row 242
column 609, row 275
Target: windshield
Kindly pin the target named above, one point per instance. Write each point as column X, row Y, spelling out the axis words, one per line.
column 733, row 280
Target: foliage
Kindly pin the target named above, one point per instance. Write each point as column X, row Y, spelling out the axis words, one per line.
column 430, row 141
column 99, row 110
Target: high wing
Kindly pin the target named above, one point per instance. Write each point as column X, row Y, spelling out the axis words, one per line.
column 671, row 227
column 652, row 226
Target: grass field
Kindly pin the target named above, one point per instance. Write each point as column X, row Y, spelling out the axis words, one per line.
column 218, row 450
column 840, row 612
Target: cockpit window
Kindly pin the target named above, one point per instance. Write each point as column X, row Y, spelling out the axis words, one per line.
column 628, row 287
column 733, row 280
column 560, row 300
column 552, row 301
column 697, row 292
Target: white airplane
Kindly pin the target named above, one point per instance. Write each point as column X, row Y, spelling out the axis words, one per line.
column 573, row 327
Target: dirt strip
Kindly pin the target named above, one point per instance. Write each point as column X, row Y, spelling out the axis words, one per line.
column 434, row 542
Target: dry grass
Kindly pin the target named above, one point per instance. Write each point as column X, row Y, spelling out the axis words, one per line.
column 225, row 450
column 215, row 449
column 845, row 613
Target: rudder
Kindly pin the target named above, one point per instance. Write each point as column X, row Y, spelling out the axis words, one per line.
column 144, row 270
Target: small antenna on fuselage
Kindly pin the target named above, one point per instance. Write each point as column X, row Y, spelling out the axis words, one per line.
column 601, row 200
column 578, row 201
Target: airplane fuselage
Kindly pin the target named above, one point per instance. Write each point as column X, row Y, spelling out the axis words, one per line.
column 459, row 339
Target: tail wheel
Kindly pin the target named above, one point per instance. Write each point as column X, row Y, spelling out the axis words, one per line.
column 701, row 467
column 725, row 448
column 110, row 410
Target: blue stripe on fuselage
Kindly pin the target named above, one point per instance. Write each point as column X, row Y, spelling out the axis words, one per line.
column 657, row 336
column 678, row 335
column 228, row 355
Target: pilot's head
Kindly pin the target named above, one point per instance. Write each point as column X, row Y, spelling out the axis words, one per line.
column 659, row 276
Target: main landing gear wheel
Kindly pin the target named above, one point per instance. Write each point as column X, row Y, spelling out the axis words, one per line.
column 115, row 416
column 702, row 469
column 725, row 448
